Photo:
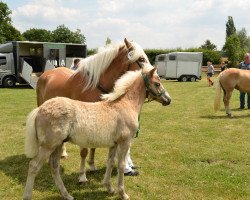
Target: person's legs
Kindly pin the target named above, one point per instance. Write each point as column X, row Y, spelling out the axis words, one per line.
column 129, row 171
column 248, row 100
column 242, row 100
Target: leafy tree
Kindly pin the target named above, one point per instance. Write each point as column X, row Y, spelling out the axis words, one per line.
column 63, row 34
column 232, row 49
column 108, row 41
column 40, row 35
column 230, row 28
column 244, row 40
column 7, row 31
column 208, row 45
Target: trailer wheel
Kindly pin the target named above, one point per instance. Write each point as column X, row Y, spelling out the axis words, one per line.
column 193, row 79
column 9, row 82
column 184, row 79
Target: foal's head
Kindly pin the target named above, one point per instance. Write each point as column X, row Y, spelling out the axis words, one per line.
column 154, row 88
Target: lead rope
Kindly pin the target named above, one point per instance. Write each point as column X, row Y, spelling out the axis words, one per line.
column 139, row 125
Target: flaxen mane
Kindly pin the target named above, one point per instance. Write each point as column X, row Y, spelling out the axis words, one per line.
column 96, row 64
column 121, row 85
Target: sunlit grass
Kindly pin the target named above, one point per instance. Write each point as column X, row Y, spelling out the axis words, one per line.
column 185, row 150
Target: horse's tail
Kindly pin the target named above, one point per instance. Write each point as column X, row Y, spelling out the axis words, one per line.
column 217, row 97
column 31, row 143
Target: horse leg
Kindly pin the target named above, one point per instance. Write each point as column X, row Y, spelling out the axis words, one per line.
column 82, row 175
column 92, row 160
column 54, row 163
column 110, row 165
column 226, row 98
column 121, row 155
column 34, row 167
column 64, row 152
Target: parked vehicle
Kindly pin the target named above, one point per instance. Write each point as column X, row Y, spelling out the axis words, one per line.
column 24, row 61
column 183, row 66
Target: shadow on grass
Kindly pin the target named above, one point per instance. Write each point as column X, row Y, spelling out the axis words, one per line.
column 16, row 167
column 224, row 116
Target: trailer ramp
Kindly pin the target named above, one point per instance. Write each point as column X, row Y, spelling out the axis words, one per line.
column 30, row 77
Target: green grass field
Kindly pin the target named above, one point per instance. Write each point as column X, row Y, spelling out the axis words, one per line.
column 185, row 150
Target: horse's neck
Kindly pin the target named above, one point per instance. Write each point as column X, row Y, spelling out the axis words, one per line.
column 116, row 69
column 136, row 95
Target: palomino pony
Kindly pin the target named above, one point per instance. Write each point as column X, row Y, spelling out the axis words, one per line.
column 111, row 124
column 229, row 80
column 96, row 75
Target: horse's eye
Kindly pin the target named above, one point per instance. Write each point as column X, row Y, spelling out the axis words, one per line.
column 157, row 84
column 141, row 59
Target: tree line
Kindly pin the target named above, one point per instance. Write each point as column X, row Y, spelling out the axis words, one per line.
column 61, row 34
column 237, row 43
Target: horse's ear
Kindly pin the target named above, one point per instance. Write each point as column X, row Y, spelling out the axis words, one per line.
column 152, row 71
column 128, row 44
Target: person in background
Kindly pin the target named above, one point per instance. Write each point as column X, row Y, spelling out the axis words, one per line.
column 245, row 65
column 76, row 62
column 210, row 72
column 223, row 66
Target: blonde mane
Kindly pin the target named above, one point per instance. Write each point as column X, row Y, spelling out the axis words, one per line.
column 96, row 64
column 121, row 85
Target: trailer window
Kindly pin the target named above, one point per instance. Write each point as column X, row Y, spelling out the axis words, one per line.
column 172, row 57
column 161, row 58
column 3, row 61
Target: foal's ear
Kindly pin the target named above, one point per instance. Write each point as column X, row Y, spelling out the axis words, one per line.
column 152, row 71
column 128, row 44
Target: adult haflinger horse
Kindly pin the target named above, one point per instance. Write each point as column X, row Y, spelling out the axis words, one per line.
column 111, row 123
column 96, row 75
column 229, row 80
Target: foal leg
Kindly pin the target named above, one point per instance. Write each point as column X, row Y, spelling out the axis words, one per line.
column 92, row 160
column 110, row 165
column 82, row 176
column 34, row 167
column 227, row 96
column 54, row 163
column 121, row 154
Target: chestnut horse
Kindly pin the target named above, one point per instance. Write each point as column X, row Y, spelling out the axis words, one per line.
column 111, row 124
column 95, row 75
column 229, row 80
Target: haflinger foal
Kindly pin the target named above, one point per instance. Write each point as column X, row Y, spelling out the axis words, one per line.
column 111, row 123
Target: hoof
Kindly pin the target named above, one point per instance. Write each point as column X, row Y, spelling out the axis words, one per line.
column 92, row 168
column 230, row 115
column 125, row 197
column 83, row 183
column 111, row 191
column 69, row 198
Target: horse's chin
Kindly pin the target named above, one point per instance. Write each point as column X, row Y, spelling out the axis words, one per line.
column 165, row 103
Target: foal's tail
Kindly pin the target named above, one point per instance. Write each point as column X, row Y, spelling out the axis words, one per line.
column 217, row 97
column 31, row 143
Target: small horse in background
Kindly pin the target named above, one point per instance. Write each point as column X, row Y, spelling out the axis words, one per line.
column 111, row 123
column 229, row 80
column 95, row 75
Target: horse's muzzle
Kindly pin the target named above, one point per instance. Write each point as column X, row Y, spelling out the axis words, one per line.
column 166, row 100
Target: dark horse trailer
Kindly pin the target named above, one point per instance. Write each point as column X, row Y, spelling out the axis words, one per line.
column 24, row 61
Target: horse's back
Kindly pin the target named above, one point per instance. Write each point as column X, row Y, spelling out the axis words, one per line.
column 51, row 82
column 235, row 78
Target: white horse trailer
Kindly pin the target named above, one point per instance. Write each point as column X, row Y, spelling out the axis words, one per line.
column 183, row 66
column 24, row 61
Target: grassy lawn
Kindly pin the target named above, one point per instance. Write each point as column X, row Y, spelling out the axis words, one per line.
column 185, row 150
